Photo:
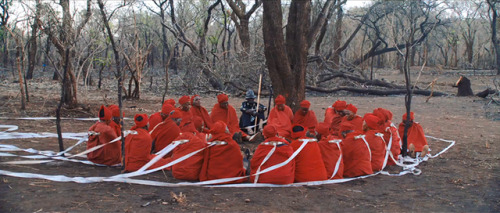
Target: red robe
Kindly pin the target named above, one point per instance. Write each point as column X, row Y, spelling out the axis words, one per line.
column 187, row 116
column 356, row 155
column 138, row 149
column 223, row 161
column 377, row 147
column 154, row 120
column 282, row 175
column 308, row 121
column 227, row 116
column 188, row 169
column 329, row 114
column 164, row 134
column 116, row 127
column 110, row 154
column 416, row 135
column 309, row 164
column 387, row 130
column 330, row 152
column 335, row 124
column 203, row 114
column 282, row 120
column 357, row 122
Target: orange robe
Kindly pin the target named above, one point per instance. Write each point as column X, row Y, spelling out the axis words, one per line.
column 330, row 152
column 357, row 122
column 190, row 168
column 110, row 154
column 187, row 116
column 335, row 124
column 282, row 120
column 203, row 114
column 282, row 175
column 329, row 114
column 223, row 161
column 387, row 130
column 356, row 155
column 164, row 134
column 228, row 116
column 116, row 127
column 309, row 164
column 138, row 149
column 308, row 121
column 377, row 147
column 154, row 120
column 416, row 135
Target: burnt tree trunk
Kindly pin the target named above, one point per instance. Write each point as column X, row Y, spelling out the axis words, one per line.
column 464, row 87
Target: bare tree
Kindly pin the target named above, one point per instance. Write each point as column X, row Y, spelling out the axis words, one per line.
column 242, row 21
column 32, row 43
column 493, row 4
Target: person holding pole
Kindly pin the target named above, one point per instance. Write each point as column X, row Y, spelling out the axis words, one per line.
column 250, row 114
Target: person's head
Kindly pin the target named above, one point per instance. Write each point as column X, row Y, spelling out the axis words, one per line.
column 298, row 131
column 250, row 96
column 141, row 121
column 196, row 101
column 350, row 111
column 304, row 106
column 115, row 111
column 339, row 107
column 411, row 118
column 165, row 110
column 370, row 122
column 270, row 131
column 280, row 102
column 184, row 102
column 170, row 101
column 346, row 128
column 323, row 130
column 176, row 116
column 223, row 99
column 105, row 114
column 219, row 127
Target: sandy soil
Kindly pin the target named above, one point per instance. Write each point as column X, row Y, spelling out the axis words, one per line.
column 466, row 178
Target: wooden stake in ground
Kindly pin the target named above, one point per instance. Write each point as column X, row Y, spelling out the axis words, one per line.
column 258, row 102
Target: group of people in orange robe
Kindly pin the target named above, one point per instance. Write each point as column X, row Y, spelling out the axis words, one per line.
column 297, row 148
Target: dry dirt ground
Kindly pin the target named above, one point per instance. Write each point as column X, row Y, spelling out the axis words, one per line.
column 466, row 178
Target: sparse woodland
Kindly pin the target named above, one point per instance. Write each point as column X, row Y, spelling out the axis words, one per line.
column 212, row 46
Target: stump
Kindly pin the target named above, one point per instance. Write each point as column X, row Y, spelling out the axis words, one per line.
column 463, row 84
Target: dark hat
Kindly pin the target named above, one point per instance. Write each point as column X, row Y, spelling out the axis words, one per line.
column 250, row 94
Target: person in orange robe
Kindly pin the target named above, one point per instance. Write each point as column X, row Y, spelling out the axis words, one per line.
column 159, row 117
column 356, row 153
column 333, row 112
column 389, row 131
column 338, row 108
column 351, row 117
column 188, row 169
column 375, row 140
column 115, row 125
column 306, row 117
column 138, row 146
column 283, row 151
column 417, row 143
column 167, row 131
column 184, row 108
column 223, row 160
column 223, row 111
column 281, row 117
column 331, row 152
column 198, row 111
column 110, row 154
column 309, row 164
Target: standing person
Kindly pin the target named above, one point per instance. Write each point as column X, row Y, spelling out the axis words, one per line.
column 166, row 132
column 281, row 117
column 282, row 151
column 138, row 146
column 199, row 111
column 331, row 152
column 224, row 159
column 102, row 133
column 223, row 111
column 249, row 113
column 417, row 143
column 306, row 117
column 309, row 165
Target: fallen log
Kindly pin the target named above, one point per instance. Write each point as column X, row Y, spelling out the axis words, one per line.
column 375, row 91
column 243, row 90
column 374, row 82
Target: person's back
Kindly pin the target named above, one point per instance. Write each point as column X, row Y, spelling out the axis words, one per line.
column 282, row 152
column 331, row 152
column 190, row 168
column 417, row 143
column 166, row 132
column 102, row 133
column 391, row 135
column 223, row 159
column 309, row 164
column 356, row 153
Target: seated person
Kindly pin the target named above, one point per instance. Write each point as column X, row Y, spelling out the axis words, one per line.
column 223, row 111
column 158, row 117
column 351, row 117
column 417, row 143
column 167, row 131
column 332, row 112
column 309, row 164
column 281, row 117
column 115, row 111
column 283, row 151
column 199, row 111
column 356, row 153
column 338, row 109
column 249, row 113
column 331, row 152
column 102, row 133
column 224, row 158
column 306, row 117
column 184, row 107
column 188, row 169
column 390, row 131
column 375, row 139
column 138, row 146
